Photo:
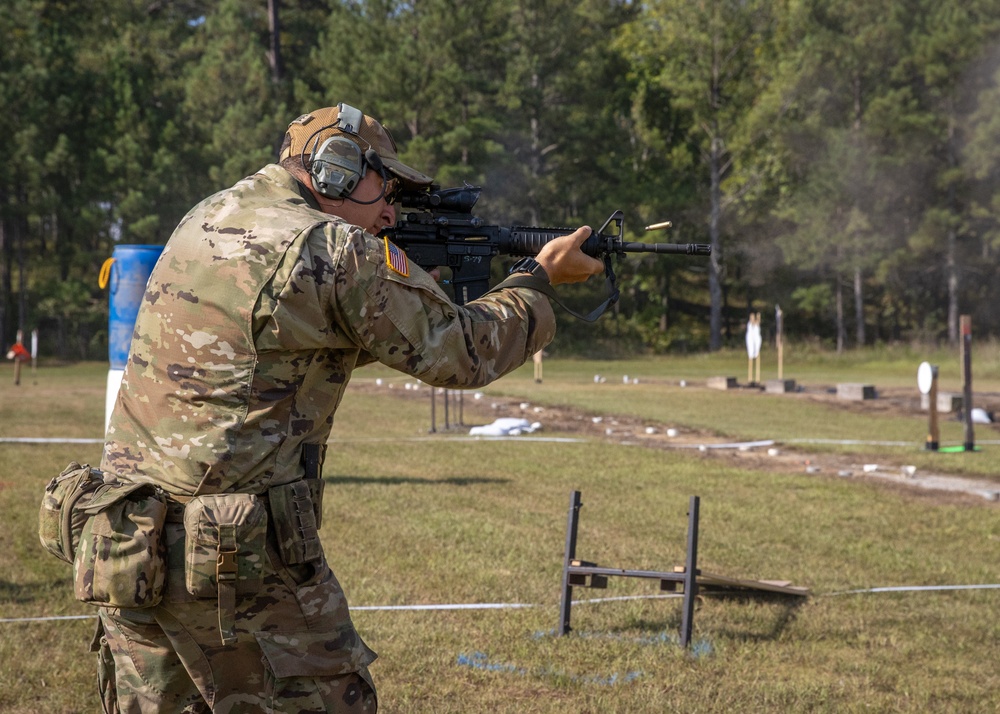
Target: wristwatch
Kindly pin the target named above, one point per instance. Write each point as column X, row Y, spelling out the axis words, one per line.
column 531, row 266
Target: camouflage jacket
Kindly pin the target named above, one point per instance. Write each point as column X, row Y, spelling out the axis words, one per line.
column 254, row 317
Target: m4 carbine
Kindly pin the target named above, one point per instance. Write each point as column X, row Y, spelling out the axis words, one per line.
column 436, row 228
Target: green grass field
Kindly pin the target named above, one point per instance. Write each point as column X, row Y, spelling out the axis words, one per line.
column 412, row 519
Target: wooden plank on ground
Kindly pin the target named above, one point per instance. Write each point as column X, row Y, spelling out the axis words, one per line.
column 775, row 586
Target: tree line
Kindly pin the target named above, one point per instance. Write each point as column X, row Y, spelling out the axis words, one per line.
column 841, row 156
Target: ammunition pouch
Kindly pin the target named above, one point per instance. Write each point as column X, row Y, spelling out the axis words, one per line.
column 295, row 528
column 224, row 552
column 297, row 511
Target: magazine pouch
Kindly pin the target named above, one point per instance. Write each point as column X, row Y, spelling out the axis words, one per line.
column 224, row 552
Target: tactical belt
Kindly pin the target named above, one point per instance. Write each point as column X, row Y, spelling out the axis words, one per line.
column 293, row 527
column 175, row 510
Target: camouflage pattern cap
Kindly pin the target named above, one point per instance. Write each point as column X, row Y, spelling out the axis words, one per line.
column 312, row 129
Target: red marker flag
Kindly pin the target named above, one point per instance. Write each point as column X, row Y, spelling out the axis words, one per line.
column 19, row 352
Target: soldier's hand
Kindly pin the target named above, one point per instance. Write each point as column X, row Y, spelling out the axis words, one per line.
column 563, row 260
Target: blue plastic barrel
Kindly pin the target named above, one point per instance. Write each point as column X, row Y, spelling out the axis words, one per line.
column 129, row 269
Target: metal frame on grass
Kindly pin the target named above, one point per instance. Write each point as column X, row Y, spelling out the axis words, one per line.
column 580, row 573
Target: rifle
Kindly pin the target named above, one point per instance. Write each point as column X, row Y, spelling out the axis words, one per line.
column 441, row 231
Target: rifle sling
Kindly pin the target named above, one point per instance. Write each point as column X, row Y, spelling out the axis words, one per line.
column 527, row 280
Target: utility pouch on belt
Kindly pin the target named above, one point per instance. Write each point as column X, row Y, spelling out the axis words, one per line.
column 296, row 509
column 121, row 557
column 224, row 551
column 110, row 531
column 60, row 520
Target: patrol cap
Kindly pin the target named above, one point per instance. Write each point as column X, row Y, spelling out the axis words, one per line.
column 310, row 130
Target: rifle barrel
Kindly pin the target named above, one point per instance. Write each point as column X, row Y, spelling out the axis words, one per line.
column 675, row 248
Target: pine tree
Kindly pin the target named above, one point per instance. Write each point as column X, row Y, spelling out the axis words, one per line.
column 705, row 54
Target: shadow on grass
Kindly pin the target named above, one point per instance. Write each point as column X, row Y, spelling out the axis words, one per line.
column 786, row 609
column 671, row 623
column 23, row 593
column 414, row 480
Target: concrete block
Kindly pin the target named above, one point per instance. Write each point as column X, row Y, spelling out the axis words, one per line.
column 722, row 382
column 779, row 386
column 946, row 402
column 855, row 392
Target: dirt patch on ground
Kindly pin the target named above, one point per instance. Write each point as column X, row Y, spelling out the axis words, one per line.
column 866, row 463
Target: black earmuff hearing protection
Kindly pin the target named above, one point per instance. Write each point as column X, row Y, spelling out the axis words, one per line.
column 338, row 164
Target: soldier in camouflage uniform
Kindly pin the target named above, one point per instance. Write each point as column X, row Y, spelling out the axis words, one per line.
column 267, row 296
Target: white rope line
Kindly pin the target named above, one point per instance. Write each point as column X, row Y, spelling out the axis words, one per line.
column 47, row 619
column 549, row 439
column 915, row 588
column 862, row 442
column 40, row 440
column 732, row 445
column 622, row 598
column 592, row 601
column 390, row 608
column 452, row 606
column 849, row 442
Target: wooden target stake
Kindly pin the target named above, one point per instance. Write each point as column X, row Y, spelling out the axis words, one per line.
column 779, row 343
column 966, row 329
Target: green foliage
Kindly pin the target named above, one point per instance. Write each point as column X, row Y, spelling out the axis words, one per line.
column 833, row 152
column 708, row 59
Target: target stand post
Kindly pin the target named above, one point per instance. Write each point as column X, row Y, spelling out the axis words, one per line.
column 579, row 573
column 927, row 383
column 693, row 581
column 966, row 350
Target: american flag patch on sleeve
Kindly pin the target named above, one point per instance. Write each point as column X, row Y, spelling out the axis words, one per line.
column 395, row 258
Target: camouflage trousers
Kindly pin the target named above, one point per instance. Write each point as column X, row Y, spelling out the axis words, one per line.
column 296, row 650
